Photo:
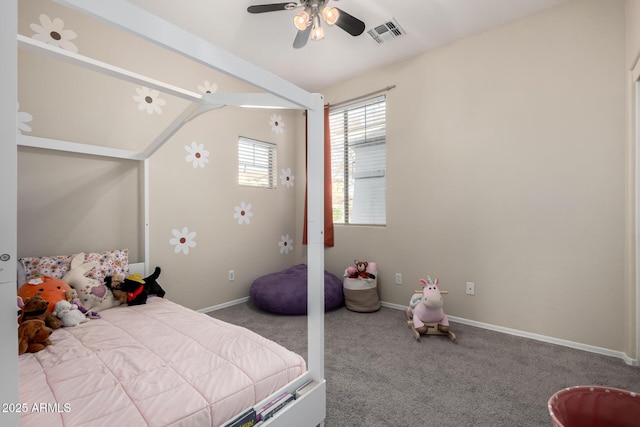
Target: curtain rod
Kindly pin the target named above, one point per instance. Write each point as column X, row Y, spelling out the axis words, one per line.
column 348, row 101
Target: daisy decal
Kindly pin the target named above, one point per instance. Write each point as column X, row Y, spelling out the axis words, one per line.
column 285, row 243
column 149, row 99
column 207, row 87
column 286, row 178
column 53, row 33
column 243, row 213
column 197, row 154
column 277, row 125
column 183, row 240
column 22, row 118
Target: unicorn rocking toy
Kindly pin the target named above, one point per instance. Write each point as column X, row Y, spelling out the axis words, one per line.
column 425, row 314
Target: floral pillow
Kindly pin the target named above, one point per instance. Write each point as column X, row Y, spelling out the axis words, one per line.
column 108, row 263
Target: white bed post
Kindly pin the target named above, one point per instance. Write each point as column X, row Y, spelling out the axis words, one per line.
column 8, row 211
column 315, row 238
column 145, row 191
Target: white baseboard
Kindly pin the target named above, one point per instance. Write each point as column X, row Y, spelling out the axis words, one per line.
column 223, row 305
column 538, row 337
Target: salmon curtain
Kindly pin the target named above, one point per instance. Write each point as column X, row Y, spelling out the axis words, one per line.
column 328, row 208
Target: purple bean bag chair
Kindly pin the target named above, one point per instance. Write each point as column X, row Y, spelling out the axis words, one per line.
column 285, row 292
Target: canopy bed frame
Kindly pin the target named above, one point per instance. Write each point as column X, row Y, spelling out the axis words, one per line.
column 310, row 409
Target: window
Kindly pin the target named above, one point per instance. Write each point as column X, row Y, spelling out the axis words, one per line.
column 358, row 162
column 256, row 163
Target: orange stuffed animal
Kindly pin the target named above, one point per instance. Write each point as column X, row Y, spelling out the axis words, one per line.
column 50, row 288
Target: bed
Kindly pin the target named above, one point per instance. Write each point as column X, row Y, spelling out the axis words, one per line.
column 117, row 379
column 157, row 364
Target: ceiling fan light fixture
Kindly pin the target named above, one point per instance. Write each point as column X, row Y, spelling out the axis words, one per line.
column 330, row 15
column 317, row 33
column 301, row 20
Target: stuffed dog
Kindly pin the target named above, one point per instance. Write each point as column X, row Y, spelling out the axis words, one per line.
column 133, row 290
column 33, row 336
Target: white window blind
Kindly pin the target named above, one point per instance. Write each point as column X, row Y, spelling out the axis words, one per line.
column 256, row 163
column 358, row 162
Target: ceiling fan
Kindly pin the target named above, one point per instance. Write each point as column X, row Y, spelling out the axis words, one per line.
column 309, row 20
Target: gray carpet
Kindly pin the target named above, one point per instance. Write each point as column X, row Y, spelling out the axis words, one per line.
column 378, row 375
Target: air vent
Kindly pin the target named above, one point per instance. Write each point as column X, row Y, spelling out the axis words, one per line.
column 386, row 32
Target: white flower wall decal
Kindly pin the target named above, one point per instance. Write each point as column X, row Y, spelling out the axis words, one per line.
column 285, row 243
column 207, row 87
column 197, row 154
column 53, row 33
column 22, row 118
column 183, row 240
column 277, row 125
column 286, row 178
column 243, row 213
column 149, row 100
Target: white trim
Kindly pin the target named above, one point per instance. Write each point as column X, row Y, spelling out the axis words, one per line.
column 223, row 305
column 75, row 147
column 530, row 335
column 189, row 113
column 146, row 213
column 104, row 68
column 249, row 100
column 8, row 211
column 315, row 238
column 635, row 124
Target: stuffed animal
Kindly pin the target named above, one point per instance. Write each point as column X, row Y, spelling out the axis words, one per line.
column 36, row 307
column 93, row 294
column 425, row 314
column 49, row 288
column 33, row 336
column 361, row 268
column 113, row 283
column 133, row 289
column 72, row 296
column 351, row 272
column 69, row 313
column 152, row 285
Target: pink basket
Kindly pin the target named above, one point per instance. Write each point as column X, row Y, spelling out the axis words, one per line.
column 593, row 406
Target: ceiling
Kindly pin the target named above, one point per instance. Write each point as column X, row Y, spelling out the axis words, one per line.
column 266, row 39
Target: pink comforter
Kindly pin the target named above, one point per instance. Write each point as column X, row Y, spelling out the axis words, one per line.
column 158, row 364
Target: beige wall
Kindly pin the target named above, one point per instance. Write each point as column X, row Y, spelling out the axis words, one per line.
column 506, row 167
column 70, row 203
column 632, row 29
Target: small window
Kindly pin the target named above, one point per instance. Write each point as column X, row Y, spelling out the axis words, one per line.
column 256, row 163
column 359, row 162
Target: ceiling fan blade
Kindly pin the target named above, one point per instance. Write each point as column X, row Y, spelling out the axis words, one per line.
column 273, row 7
column 350, row 23
column 302, row 37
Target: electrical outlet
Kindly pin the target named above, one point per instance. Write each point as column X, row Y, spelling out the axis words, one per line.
column 398, row 278
column 471, row 288
column 232, row 275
